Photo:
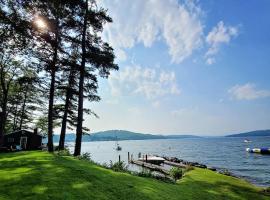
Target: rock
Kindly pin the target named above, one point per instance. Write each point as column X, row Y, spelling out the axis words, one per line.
column 212, row 168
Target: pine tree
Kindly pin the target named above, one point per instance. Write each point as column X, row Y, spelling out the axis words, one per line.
column 70, row 90
column 49, row 26
column 12, row 46
column 95, row 55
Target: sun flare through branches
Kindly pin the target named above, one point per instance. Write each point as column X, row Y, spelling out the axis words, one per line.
column 40, row 23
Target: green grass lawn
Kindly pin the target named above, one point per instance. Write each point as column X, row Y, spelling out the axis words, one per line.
column 40, row 175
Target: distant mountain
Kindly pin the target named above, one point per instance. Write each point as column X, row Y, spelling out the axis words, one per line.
column 122, row 135
column 180, row 136
column 112, row 135
column 261, row 133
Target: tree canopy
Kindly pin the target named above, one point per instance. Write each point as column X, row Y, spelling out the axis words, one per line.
column 51, row 55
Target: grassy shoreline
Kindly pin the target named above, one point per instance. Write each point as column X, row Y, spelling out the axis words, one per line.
column 40, row 175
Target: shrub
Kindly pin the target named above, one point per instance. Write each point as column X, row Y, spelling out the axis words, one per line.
column 64, row 152
column 176, row 173
column 118, row 166
column 189, row 168
column 145, row 173
column 148, row 174
column 164, row 178
column 85, row 156
column 267, row 191
column 225, row 172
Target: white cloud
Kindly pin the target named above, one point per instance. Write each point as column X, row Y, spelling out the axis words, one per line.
column 120, row 55
column 210, row 61
column 177, row 24
column 135, row 111
column 112, row 101
column 156, row 104
column 247, row 92
column 148, row 82
column 182, row 112
column 219, row 35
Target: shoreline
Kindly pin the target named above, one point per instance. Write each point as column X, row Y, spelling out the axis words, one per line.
column 41, row 175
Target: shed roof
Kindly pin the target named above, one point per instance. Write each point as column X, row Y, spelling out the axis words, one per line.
column 24, row 130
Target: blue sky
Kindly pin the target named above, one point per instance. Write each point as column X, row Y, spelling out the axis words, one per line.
column 199, row 67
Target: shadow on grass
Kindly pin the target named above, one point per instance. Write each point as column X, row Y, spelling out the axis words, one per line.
column 46, row 176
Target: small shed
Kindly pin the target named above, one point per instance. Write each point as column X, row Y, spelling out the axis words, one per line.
column 25, row 139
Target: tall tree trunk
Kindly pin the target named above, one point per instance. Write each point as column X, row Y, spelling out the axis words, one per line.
column 67, row 107
column 79, row 130
column 2, row 126
column 52, row 88
column 23, row 109
column 15, row 118
column 3, row 113
column 3, row 117
column 50, row 112
column 64, row 126
column 1, row 129
column 64, row 120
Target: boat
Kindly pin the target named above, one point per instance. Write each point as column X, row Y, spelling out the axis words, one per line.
column 259, row 150
column 118, row 147
column 247, row 141
column 152, row 159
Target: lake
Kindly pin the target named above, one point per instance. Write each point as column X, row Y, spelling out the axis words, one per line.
column 219, row 152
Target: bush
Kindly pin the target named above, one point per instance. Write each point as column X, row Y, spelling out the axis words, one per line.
column 267, row 191
column 176, row 173
column 145, row 173
column 64, row 152
column 148, row 174
column 226, row 172
column 165, row 179
column 118, row 166
column 85, row 156
column 189, row 168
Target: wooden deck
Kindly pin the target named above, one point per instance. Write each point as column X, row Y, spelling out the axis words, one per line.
column 150, row 166
column 174, row 164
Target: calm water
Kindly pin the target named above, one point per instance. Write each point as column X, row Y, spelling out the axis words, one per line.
column 228, row 153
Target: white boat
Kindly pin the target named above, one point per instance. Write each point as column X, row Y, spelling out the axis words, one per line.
column 118, row 147
column 247, row 141
column 152, row 159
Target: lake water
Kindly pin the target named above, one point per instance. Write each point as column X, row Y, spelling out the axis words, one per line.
column 220, row 152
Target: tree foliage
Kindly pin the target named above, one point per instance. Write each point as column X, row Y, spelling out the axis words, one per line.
column 51, row 55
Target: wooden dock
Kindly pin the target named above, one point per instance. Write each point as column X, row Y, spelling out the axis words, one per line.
column 181, row 165
column 150, row 166
column 153, row 163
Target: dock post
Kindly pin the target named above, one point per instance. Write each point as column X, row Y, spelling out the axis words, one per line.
column 128, row 157
column 131, row 157
column 146, row 157
column 119, row 159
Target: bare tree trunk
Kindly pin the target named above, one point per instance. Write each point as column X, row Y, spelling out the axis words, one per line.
column 50, row 112
column 15, row 118
column 4, row 105
column 1, row 130
column 23, row 110
column 2, row 127
column 78, row 142
column 3, row 117
column 64, row 121
column 52, row 88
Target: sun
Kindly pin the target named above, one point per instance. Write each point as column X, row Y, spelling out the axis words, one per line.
column 40, row 23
